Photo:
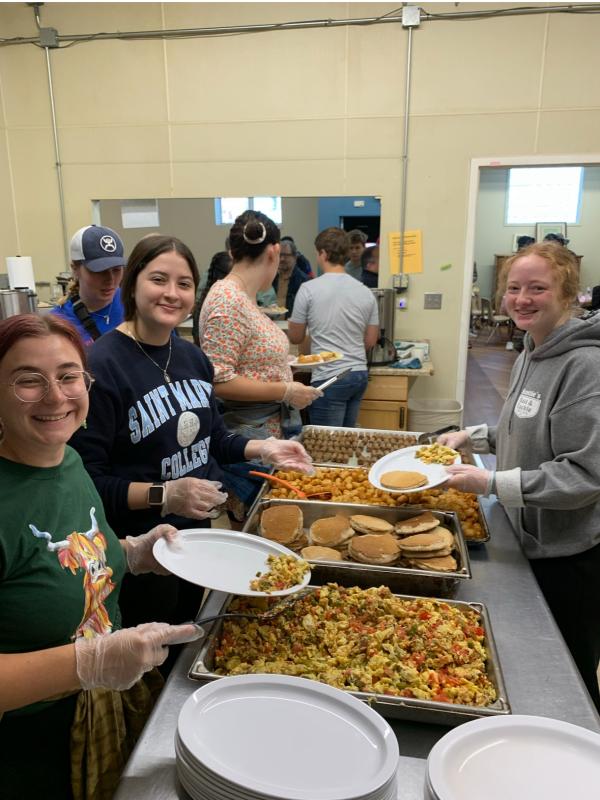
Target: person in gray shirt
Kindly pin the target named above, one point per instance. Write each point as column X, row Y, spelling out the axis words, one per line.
column 341, row 315
column 547, row 444
column 354, row 265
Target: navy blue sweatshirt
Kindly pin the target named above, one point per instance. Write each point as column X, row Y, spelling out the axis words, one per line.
column 142, row 428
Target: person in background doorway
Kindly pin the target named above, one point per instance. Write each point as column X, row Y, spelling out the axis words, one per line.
column 547, row 442
column 341, row 316
column 354, row 265
column 302, row 261
column 93, row 300
column 289, row 277
column 370, row 270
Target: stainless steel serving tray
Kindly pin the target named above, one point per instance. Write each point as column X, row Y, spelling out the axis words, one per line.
column 406, row 708
column 408, row 580
column 266, row 488
column 361, row 431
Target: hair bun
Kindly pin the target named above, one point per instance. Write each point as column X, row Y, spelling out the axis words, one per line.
column 254, row 232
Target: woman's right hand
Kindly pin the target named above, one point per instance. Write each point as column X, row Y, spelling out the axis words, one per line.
column 118, row 660
column 298, row 395
column 192, row 497
column 454, row 440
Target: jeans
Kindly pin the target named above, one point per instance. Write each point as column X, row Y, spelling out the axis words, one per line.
column 340, row 402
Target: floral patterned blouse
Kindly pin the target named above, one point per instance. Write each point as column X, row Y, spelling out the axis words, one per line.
column 241, row 341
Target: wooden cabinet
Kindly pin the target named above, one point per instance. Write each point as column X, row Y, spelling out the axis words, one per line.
column 384, row 403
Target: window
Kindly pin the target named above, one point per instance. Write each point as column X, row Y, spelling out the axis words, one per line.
column 228, row 208
column 139, row 214
column 543, row 194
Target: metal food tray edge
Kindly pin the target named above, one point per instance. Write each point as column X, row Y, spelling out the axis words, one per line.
column 405, row 708
column 469, row 542
column 445, row 583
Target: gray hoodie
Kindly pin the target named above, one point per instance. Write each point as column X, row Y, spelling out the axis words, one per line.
column 547, row 442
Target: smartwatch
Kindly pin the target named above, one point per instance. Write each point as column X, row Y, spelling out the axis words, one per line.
column 156, row 495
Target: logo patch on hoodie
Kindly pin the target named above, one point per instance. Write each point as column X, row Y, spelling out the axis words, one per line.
column 528, row 404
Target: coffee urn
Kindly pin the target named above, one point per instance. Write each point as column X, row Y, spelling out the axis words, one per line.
column 20, row 300
column 384, row 351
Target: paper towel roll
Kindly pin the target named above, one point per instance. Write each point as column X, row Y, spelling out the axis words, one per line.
column 20, row 272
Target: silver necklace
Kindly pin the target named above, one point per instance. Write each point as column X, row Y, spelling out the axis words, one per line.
column 166, row 367
column 105, row 317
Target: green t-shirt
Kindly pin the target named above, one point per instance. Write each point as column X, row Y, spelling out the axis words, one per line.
column 64, row 584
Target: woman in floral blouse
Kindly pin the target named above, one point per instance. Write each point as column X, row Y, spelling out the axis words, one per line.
column 249, row 352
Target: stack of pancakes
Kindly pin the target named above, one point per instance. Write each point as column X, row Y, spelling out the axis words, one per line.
column 285, row 525
column 425, row 544
column 331, row 534
column 374, row 542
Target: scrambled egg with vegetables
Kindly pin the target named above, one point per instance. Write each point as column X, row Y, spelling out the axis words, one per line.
column 365, row 640
column 283, row 573
column 436, row 454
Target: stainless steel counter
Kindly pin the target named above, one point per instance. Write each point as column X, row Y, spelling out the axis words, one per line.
column 538, row 671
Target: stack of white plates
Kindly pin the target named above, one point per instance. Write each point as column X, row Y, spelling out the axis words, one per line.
column 273, row 737
column 514, row 758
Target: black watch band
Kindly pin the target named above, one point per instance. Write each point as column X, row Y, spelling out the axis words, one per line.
column 156, row 495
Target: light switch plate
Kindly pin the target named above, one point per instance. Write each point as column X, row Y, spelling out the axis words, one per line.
column 433, row 300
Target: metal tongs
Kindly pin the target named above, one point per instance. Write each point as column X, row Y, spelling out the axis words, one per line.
column 431, row 438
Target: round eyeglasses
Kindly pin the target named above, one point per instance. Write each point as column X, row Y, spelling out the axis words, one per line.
column 31, row 387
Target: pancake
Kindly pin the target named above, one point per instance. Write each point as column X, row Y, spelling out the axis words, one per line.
column 431, row 542
column 438, row 563
column 316, row 553
column 422, row 522
column 364, row 523
column 374, row 548
column 402, row 479
column 330, row 531
column 282, row 524
column 428, row 554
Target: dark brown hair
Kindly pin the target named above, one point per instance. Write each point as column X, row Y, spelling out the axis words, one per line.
column 335, row 243
column 561, row 261
column 251, row 234
column 36, row 326
column 145, row 251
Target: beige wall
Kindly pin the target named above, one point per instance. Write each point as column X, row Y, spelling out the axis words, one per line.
column 298, row 113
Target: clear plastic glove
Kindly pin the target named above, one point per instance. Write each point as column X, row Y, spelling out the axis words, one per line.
column 117, row 660
column 467, row 478
column 299, row 396
column 286, row 454
column 454, row 440
column 195, row 498
column 138, row 549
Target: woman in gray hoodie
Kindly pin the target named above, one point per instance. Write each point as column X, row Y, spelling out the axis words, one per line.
column 547, row 444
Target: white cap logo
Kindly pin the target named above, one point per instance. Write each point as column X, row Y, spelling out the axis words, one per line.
column 108, row 244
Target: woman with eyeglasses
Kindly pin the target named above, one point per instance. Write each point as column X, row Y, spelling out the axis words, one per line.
column 154, row 438
column 60, row 570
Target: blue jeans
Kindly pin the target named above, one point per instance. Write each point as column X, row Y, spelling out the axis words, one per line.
column 340, row 403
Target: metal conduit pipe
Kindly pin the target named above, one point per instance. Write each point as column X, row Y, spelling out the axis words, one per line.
column 405, row 148
column 61, row 195
column 580, row 8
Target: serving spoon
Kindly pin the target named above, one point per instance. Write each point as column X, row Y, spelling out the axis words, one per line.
column 302, row 495
column 274, row 611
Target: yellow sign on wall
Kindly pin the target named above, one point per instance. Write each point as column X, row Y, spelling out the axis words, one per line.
column 413, row 254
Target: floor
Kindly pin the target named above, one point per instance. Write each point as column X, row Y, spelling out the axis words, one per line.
column 488, row 374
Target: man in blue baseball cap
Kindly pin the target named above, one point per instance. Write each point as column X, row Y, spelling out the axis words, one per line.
column 93, row 301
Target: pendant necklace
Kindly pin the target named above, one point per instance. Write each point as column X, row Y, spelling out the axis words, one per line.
column 105, row 317
column 162, row 369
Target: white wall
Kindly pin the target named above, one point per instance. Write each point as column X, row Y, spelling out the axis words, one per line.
column 494, row 237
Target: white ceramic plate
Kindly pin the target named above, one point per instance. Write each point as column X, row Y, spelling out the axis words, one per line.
column 272, row 735
column 398, row 460
column 222, row 559
column 515, row 758
column 411, row 452
column 299, row 365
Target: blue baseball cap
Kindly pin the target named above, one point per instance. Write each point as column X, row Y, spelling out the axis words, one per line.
column 98, row 248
